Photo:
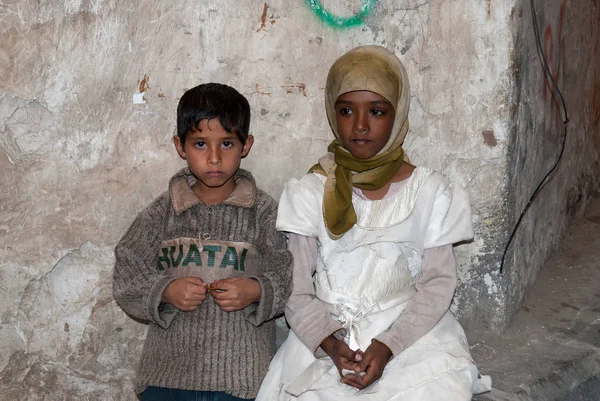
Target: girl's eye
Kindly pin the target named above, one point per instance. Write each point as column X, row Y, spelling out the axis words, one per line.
column 377, row 112
column 345, row 111
column 227, row 144
column 200, row 144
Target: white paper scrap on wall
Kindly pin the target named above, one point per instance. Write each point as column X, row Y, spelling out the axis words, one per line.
column 139, row 98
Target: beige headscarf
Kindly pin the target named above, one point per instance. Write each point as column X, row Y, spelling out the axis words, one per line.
column 378, row 70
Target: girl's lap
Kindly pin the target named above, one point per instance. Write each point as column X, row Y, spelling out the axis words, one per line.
column 439, row 360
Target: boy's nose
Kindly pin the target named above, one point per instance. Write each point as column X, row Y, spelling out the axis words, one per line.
column 214, row 157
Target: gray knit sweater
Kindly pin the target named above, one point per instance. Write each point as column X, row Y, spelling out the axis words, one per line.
column 177, row 235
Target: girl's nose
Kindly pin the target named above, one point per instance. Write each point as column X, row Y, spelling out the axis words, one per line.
column 361, row 123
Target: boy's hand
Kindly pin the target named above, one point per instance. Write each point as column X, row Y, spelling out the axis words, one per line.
column 185, row 293
column 342, row 356
column 373, row 363
column 235, row 293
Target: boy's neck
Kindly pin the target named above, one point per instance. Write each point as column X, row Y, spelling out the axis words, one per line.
column 212, row 196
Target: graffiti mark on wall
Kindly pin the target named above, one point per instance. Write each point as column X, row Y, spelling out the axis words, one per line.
column 341, row 22
column 143, row 84
column 289, row 88
column 139, row 97
column 555, row 51
column 556, row 62
column 297, row 87
column 264, row 18
column 261, row 92
column 594, row 100
column 594, row 97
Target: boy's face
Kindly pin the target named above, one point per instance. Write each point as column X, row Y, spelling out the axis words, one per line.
column 364, row 122
column 213, row 155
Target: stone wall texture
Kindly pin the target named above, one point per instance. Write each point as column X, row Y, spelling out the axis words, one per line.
column 88, row 92
column 569, row 35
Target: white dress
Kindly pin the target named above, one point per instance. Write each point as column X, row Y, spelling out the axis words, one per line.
column 366, row 278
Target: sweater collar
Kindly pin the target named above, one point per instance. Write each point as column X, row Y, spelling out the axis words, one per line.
column 183, row 197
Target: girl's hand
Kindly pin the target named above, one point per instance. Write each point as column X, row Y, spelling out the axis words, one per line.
column 235, row 293
column 373, row 363
column 185, row 293
column 342, row 356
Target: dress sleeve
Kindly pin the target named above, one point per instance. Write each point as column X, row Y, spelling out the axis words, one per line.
column 306, row 314
column 300, row 206
column 435, row 289
column 450, row 220
column 276, row 273
column 137, row 284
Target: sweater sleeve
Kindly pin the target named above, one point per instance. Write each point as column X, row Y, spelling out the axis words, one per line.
column 435, row 289
column 276, row 271
column 137, row 284
column 307, row 315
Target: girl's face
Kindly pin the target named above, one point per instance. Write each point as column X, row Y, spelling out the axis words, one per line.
column 364, row 122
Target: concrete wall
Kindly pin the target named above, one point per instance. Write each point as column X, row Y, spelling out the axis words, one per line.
column 88, row 93
column 570, row 39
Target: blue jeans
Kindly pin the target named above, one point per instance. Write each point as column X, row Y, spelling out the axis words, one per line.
column 171, row 394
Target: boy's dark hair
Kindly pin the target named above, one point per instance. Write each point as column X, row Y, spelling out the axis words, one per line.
column 213, row 100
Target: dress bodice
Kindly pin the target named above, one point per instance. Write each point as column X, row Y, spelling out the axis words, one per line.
column 381, row 254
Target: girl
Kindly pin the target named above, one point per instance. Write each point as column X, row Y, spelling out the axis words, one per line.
column 374, row 269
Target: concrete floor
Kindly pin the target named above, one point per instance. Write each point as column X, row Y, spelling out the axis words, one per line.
column 551, row 351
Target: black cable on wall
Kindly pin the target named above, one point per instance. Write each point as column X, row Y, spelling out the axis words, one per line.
column 562, row 150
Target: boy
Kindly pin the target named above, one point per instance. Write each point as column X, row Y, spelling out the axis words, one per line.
column 204, row 264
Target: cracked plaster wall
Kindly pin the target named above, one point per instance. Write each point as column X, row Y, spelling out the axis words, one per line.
column 570, row 39
column 80, row 159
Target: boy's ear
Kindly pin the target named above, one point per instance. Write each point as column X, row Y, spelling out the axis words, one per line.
column 177, row 143
column 248, row 145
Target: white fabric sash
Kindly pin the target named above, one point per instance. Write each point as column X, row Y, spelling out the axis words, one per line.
column 362, row 318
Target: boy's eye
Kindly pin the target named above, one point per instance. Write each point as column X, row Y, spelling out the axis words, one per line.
column 200, row 144
column 227, row 144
